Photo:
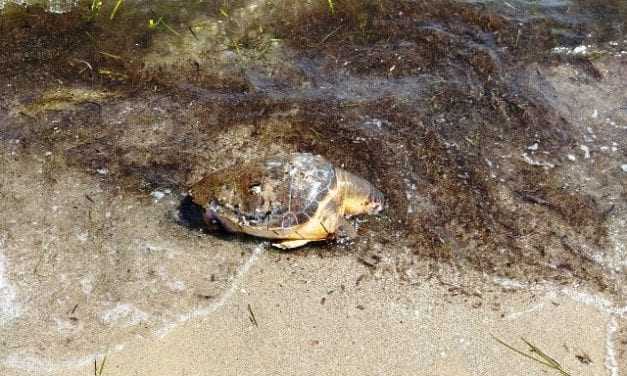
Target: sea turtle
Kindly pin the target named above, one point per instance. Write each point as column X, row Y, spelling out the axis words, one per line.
column 295, row 199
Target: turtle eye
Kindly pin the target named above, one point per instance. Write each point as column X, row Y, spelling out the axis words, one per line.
column 377, row 201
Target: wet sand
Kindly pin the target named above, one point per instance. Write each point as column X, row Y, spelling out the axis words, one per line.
column 311, row 316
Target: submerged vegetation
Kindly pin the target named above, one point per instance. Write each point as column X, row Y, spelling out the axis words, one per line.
column 435, row 92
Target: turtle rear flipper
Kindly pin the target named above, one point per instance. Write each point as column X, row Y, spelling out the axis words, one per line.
column 291, row 244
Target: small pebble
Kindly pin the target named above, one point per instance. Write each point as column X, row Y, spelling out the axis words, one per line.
column 157, row 195
column 624, row 167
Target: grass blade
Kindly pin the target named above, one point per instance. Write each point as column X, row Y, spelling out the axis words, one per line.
column 104, row 360
column 542, row 354
column 545, row 359
column 115, row 9
column 331, row 7
column 170, row 29
column 251, row 316
column 521, row 353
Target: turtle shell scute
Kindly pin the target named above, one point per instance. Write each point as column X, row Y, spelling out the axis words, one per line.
column 290, row 190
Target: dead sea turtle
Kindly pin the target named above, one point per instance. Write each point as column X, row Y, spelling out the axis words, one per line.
column 296, row 199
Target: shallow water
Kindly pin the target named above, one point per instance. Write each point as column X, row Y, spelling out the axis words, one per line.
column 497, row 130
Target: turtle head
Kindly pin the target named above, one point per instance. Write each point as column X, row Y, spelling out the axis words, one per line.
column 359, row 196
column 376, row 201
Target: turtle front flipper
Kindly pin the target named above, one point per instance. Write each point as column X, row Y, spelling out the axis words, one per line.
column 291, row 244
